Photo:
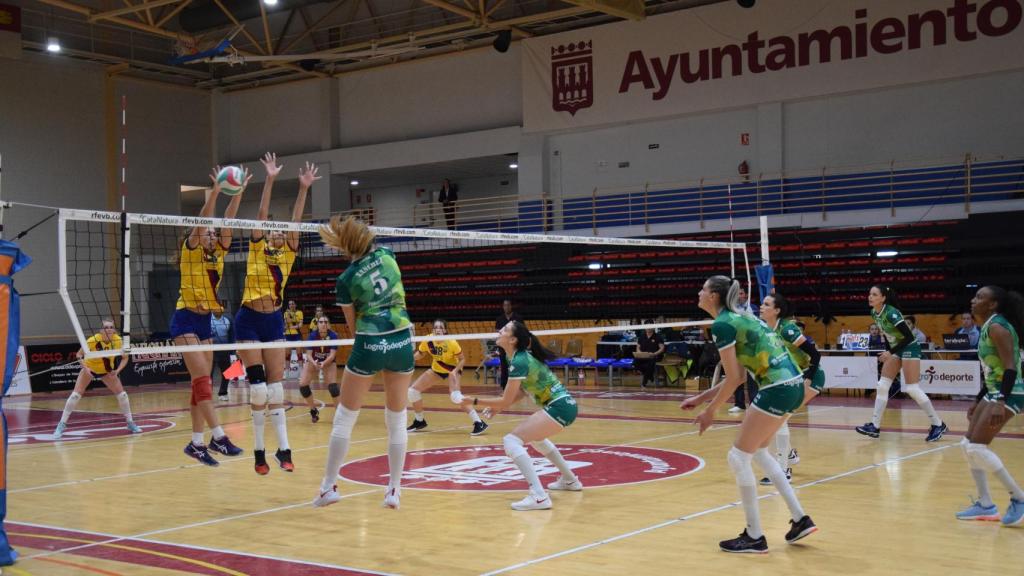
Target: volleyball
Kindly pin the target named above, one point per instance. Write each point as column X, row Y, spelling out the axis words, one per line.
column 231, row 180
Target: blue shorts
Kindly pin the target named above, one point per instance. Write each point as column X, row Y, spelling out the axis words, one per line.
column 293, row 337
column 187, row 322
column 254, row 326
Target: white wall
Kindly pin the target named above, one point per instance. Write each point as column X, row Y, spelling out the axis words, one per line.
column 282, row 119
column 394, row 205
column 53, row 138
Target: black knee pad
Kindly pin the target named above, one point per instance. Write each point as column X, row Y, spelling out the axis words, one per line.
column 334, row 389
column 256, row 374
column 305, row 391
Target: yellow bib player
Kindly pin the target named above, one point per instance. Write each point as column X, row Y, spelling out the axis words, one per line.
column 104, row 370
column 446, row 360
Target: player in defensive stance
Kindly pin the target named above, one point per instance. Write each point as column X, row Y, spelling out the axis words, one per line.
column 202, row 266
column 101, row 369
column 446, row 365
column 746, row 344
column 528, row 373
column 318, row 358
column 1000, row 399
column 371, row 294
column 904, row 351
column 259, row 318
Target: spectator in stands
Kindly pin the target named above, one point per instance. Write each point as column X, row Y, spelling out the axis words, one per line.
column 448, row 196
column 967, row 327
column 875, row 340
column 507, row 315
column 745, row 304
column 921, row 337
column 220, row 328
column 650, row 349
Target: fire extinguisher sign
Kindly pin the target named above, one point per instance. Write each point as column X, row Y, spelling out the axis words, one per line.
column 745, row 139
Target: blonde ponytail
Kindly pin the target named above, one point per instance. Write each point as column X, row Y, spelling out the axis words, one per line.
column 350, row 236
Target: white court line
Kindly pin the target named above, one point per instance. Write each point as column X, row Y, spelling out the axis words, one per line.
column 225, row 460
column 706, row 512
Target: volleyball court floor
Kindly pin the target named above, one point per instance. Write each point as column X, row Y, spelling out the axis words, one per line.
column 658, row 496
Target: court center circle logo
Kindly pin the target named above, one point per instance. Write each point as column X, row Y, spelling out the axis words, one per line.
column 487, row 467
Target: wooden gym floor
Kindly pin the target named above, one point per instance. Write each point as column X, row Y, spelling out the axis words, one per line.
column 102, row 501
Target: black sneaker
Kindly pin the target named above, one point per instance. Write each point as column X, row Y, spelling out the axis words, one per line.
column 224, row 446
column 200, row 453
column 805, row 527
column 417, row 425
column 868, row 429
column 284, row 459
column 314, row 415
column 936, row 432
column 262, row 468
column 744, row 544
column 478, row 428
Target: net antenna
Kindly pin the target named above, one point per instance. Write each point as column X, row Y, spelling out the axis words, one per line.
column 433, row 286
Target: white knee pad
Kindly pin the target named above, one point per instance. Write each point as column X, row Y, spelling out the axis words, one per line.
column 415, row 395
column 275, row 393
column 456, row 397
column 74, row 397
column 344, row 422
column 395, row 421
column 544, row 446
column 766, row 462
column 121, row 396
column 258, row 394
column 513, row 446
column 915, row 392
column 884, row 384
column 984, row 458
column 740, row 463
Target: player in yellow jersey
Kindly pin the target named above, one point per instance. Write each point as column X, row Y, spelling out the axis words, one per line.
column 446, row 365
column 259, row 318
column 292, row 329
column 104, row 370
column 202, row 266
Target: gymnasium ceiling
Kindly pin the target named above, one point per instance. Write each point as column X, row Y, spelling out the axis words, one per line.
column 139, row 37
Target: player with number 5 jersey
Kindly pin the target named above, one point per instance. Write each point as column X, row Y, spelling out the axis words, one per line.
column 371, row 295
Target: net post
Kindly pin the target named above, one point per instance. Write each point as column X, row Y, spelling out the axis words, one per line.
column 126, row 271
column 62, row 271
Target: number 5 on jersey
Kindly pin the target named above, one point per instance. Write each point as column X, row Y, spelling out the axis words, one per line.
column 380, row 285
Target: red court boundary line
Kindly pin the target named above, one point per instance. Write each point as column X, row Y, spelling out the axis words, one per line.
column 183, row 558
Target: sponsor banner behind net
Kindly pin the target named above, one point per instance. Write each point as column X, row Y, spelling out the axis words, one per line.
column 53, row 367
column 720, row 56
column 850, row 371
column 951, row 376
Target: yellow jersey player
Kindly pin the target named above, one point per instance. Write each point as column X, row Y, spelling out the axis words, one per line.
column 104, row 370
column 293, row 320
column 445, row 366
column 202, row 266
column 259, row 318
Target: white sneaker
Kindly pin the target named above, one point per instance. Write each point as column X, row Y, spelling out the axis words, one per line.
column 531, row 502
column 327, row 498
column 794, row 458
column 735, row 410
column 58, row 432
column 561, row 484
column 392, row 497
column 223, row 398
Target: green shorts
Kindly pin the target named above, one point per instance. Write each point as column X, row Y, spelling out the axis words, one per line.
column 912, row 351
column 780, row 398
column 562, row 410
column 818, row 381
column 373, row 353
column 1015, row 402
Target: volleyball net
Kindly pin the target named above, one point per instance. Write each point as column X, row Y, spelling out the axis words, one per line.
column 128, row 267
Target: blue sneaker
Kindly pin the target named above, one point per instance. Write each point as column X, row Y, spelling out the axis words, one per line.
column 134, row 428
column 200, row 453
column 224, row 446
column 936, row 432
column 1014, row 513
column 978, row 512
column 868, row 429
column 58, row 432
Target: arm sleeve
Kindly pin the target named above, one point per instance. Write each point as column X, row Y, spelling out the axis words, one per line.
column 811, row 350
column 907, row 340
column 981, row 393
column 1009, row 379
